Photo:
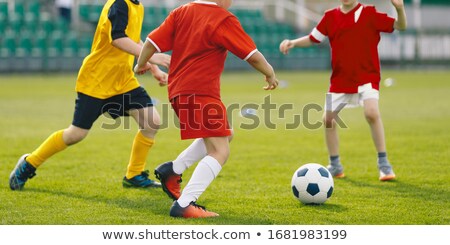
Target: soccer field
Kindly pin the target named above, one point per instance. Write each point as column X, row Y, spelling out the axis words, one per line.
column 83, row 184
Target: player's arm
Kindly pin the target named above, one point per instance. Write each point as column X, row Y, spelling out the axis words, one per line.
column 118, row 16
column 400, row 24
column 157, row 73
column 127, row 45
column 302, row 42
column 259, row 62
column 317, row 35
column 147, row 51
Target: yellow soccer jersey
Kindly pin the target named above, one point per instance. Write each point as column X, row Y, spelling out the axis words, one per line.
column 107, row 70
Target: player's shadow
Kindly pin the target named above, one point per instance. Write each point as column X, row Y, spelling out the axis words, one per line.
column 153, row 201
column 156, row 202
column 325, row 207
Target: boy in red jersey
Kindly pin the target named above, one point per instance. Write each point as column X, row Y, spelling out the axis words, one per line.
column 200, row 33
column 353, row 30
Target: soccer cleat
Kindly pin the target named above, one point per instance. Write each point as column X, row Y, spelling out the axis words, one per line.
column 21, row 173
column 140, row 181
column 191, row 211
column 170, row 181
column 337, row 171
column 386, row 172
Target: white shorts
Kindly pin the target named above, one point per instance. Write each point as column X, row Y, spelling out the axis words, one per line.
column 339, row 101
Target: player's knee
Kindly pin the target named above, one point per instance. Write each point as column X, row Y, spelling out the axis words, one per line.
column 328, row 121
column 152, row 124
column 72, row 137
column 372, row 116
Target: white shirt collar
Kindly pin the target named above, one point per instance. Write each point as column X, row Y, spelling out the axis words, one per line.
column 205, row 2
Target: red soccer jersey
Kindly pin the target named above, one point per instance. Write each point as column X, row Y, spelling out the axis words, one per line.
column 200, row 34
column 354, row 39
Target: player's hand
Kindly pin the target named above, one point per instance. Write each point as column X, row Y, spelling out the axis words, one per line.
column 161, row 77
column 272, row 83
column 140, row 70
column 287, row 44
column 398, row 4
column 161, row 59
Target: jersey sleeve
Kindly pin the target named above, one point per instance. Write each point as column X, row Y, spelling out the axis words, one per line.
column 118, row 15
column 163, row 36
column 319, row 33
column 232, row 37
column 383, row 22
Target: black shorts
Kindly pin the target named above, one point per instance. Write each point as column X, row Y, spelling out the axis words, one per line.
column 88, row 108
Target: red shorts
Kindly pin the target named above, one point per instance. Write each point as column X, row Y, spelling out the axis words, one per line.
column 201, row 116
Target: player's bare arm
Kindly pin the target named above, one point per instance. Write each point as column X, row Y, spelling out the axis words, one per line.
column 260, row 63
column 400, row 24
column 158, row 74
column 147, row 51
column 287, row 44
column 128, row 45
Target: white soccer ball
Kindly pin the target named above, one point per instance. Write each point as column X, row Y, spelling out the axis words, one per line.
column 312, row 183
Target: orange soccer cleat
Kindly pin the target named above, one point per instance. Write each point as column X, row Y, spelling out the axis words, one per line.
column 191, row 211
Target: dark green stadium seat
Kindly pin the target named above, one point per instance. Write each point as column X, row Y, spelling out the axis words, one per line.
column 61, row 25
column 34, row 8
column 95, row 12
column 40, row 45
column 84, row 46
column 30, row 22
column 15, row 22
column 8, row 44
column 84, row 10
column 3, row 14
column 70, row 45
column 24, row 45
column 19, row 8
column 55, row 45
column 46, row 23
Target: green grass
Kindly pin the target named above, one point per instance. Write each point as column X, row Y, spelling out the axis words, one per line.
column 82, row 185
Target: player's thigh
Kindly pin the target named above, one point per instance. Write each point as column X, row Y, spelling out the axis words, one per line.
column 87, row 110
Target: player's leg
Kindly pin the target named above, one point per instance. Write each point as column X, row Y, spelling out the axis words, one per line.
column 206, row 171
column 58, row 141
column 170, row 173
column 331, row 134
column 194, row 153
column 332, row 141
column 149, row 121
column 55, row 143
column 87, row 110
column 373, row 117
column 334, row 103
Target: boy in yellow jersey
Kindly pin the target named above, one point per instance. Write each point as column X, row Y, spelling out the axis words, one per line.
column 106, row 83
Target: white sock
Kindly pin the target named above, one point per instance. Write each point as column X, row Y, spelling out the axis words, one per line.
column 205, row 172
column 191, row 155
